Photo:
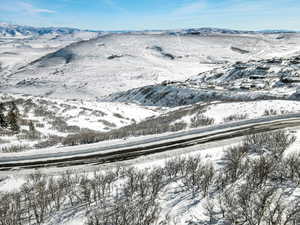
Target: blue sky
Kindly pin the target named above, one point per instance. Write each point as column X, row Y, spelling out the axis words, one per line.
column 154, row 14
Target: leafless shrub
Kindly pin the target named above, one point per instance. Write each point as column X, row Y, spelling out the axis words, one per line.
column 210, row 211
column 292, row 168
column 269, row 146
column 61, row 125
column 175, row 167
column 200, row 120
column 198, row 176
column 259, row 206
column 249, row 193
column 29, row 135
column 158, row 125
column 41, row 196
column 274, row 143
column 14, row 148
column 6, row 132
column 49, row 142
column 233, row 161
column 273, row 112
column 82, row 138
column 260, row 170
column 270, row 112
column 136, row 204
column 236, row 117
column 10, row 209
column 43, row 112
column 178, row 126
column 123, row 212
column 39, row 125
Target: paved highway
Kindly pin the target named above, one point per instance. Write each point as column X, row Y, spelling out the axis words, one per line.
column 85, row 154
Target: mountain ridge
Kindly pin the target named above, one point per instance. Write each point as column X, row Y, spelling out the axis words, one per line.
column 14, row 30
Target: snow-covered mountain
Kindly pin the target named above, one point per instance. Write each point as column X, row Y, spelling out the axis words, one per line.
column 210, row 30
column 13, row 30
column 119, row 62
column 20, row 45
column 10, row 30
column 274, row 78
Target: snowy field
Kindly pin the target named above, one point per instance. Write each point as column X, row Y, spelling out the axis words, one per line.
column 118, row 62
column 250, row 110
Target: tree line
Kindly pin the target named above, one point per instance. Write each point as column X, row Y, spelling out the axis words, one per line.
column 9, row 117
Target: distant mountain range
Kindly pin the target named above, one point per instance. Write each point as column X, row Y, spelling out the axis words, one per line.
column 208, row 30
column 278, row 31
column 11, row 30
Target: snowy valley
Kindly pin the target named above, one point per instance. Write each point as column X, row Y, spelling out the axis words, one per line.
column 211, row 115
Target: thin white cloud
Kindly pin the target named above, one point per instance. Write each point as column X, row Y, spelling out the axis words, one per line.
column 190, row 8
column 24, row 7
column 29, row 8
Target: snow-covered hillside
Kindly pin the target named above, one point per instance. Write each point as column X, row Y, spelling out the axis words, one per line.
column 251, row 179
column 273, row 78
column 108, row 92
column 264, row 74
column 118, row 62
column 54, row 119
column 17, row 52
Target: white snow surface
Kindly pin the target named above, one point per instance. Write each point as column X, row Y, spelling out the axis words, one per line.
column 253, row 109
column 92, row 115
column 17, row 52
column 118, row 62
column 180, row 206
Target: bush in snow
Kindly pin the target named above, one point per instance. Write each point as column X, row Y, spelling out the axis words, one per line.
column 235, row 117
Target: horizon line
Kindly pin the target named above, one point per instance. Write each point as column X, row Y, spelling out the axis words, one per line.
column 153, row 30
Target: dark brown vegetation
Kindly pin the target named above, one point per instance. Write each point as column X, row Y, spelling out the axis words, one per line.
column 158, row 125
column 252, row 187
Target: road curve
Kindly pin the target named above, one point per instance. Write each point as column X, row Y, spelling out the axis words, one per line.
column 85, row 154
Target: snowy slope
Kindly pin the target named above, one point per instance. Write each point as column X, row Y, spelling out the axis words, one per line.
column 253, row 109
column 17, row 52
column 56, row 118
column 179, row 204
column 273, row 78
column 118, row 62
column 257, row 74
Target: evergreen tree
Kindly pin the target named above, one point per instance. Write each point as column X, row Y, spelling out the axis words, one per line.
column 14, row 108
column 3, row 122
column 12, row 119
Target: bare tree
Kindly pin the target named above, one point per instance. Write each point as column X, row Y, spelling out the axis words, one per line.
column 233, row 162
